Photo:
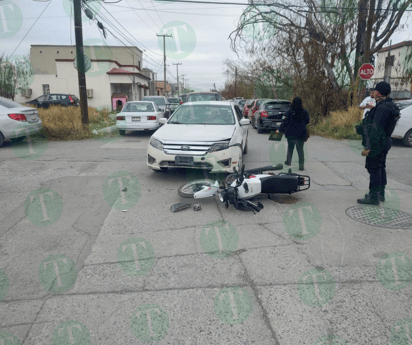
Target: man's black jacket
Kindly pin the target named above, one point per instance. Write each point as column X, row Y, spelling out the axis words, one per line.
column 378, row 126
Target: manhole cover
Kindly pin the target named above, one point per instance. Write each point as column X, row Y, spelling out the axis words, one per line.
column 383, row 217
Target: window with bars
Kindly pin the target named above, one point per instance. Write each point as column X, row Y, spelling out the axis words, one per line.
column 46, row 89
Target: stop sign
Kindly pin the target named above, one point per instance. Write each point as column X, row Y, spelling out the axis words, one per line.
column 366, row 71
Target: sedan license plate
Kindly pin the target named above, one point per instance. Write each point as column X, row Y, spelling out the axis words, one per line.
column 184, row 160
column 135, row 118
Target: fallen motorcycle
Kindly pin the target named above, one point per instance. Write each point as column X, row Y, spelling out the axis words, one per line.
column 243, row 185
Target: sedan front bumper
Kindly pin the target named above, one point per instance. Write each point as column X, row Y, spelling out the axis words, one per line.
column 214, row 162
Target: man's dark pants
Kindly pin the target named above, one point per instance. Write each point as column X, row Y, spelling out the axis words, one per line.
column 376, row 166
column 299, row 147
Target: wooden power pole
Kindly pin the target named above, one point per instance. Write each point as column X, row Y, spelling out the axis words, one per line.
column 78, row 32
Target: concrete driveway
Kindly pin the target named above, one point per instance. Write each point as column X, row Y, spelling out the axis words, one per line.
column 90, row 252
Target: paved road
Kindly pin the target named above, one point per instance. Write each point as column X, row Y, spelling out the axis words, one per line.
column 81, row 264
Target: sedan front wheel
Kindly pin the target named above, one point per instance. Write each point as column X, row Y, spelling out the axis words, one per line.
column 407, row 140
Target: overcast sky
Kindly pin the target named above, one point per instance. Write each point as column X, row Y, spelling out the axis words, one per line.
column 202, row 47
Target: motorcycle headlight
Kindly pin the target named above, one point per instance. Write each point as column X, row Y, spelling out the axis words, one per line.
column 221, row 196
column 156, row 144
column 219, row 147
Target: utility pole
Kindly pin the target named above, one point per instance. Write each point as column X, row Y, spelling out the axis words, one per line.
column 134, row 84
column 183, row 76
column 78, row 32
column 155, row 83
column 177, row 73
column 235, row 80
column 164, row 60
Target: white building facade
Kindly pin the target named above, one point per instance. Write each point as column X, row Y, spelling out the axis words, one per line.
column 105, row 79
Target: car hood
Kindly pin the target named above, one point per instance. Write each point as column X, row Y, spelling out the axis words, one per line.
column 211, row 133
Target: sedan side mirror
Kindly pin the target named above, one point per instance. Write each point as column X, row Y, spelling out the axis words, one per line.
column 162, row 120
column 244, row 122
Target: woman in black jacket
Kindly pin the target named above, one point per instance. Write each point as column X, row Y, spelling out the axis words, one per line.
column 294, row 127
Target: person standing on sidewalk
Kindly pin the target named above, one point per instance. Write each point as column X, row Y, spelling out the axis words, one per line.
column 368, row 103
column 294, row 127
column 376, row 130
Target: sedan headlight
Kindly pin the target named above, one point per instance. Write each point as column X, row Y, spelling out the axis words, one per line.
column 156, row 144
column 219, row 147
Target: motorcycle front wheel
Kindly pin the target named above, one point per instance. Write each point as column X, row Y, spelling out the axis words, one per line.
column 188, row 190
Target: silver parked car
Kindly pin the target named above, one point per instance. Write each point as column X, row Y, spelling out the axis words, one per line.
column 17, row 121
column 138, row 116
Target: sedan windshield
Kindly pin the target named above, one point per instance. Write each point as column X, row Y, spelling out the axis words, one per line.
column 4, row 102
column 203, row 115
column 404, row 104
column 198, row 97
column 277, row 106
column 158, row 101
column 174, row 100
column 140, row 107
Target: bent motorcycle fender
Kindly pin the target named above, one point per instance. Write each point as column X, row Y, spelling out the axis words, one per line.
column 207, row 191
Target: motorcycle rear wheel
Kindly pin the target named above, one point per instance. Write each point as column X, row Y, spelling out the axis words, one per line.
column 188, row 190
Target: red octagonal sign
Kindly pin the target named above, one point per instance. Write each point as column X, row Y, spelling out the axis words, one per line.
column 366, row 71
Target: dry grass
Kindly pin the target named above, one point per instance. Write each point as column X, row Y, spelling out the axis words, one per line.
column 339, row 125
column 64, row 123
column 344, row 118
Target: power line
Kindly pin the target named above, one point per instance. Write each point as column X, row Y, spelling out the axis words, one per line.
column 32, row 27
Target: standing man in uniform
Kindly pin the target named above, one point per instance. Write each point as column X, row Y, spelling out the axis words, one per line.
column 376, row 130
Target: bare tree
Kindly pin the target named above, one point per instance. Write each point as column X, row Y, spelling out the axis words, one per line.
column 347, row 33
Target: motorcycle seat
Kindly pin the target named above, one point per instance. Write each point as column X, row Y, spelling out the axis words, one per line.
column 279, row 184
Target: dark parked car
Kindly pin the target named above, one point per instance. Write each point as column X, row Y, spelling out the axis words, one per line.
column 45, row 101
column 270, row 114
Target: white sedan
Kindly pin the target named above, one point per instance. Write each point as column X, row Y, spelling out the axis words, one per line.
column 200, row 135
column 139, row 116
column 17, row 121
column 403, row 129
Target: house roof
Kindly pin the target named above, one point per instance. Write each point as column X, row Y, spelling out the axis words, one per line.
column 120, row 71
column 395, row 46
column 113, row 61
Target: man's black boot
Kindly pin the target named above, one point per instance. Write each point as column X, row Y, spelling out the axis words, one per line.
column 369, row 199
column 287, row 163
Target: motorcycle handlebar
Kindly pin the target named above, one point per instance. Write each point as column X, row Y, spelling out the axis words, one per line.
column 267, row 168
